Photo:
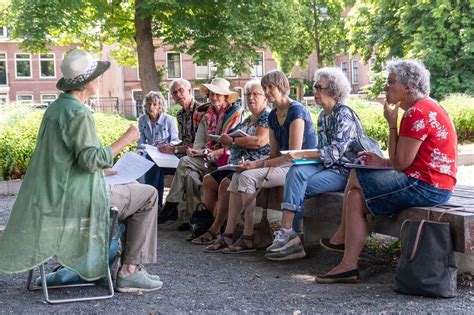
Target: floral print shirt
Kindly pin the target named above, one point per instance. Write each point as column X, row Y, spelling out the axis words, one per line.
column 436, row 160
column 249, row 127
column 186, row 126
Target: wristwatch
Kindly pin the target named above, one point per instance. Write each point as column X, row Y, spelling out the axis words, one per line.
column 176, row 151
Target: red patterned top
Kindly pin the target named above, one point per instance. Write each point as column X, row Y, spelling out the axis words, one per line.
column 436, row 160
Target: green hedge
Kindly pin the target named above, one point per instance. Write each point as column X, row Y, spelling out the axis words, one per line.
column 19, row 126
column 460, row 108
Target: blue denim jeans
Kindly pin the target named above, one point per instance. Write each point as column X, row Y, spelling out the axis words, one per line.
column 303, row 181
column 387, row 191
column 155, row 178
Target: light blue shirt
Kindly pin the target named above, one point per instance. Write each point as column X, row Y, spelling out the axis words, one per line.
column 164, row 130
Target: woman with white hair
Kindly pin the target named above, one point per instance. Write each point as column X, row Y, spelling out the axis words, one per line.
column 157, row 128
column 422, row 152
column 338, row 132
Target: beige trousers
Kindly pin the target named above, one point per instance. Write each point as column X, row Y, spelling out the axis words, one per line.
column 185, row 189
column 138, row 210
column 249, row 181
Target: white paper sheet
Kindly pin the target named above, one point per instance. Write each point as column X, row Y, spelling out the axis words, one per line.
column 161, row 159
column 129, row 167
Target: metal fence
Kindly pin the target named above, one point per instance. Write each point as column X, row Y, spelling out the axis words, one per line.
column 105, row 104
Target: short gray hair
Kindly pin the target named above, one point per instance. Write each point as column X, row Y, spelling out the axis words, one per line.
column 412, row 74
column 184, row 82
column 338, row 84
column 153, row 97
column 251, row 84
column 278, row 79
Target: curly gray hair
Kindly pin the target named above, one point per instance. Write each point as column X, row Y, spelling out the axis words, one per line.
column 412, row 74
column 338, row 84
column 154, row 97
column 251, row 84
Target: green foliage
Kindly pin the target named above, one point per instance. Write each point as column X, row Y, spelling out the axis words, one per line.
column 438, row 32
column 459, row 107
column 18, row 133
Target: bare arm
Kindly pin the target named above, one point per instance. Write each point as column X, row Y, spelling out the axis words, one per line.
column 126, row 139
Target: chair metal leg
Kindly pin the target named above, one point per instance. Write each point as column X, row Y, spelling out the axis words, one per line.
column 45, row 288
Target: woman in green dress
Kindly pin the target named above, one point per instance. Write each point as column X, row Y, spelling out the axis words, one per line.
column 62, row 208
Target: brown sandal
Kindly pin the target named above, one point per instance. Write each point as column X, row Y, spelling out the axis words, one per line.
column 220, row 244
column 204, row 240
column 240, row 247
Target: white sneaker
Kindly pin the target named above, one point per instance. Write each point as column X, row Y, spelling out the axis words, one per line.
column 283, row 240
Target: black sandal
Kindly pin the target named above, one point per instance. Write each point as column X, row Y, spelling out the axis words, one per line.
column 220, row 244
column 240, row 247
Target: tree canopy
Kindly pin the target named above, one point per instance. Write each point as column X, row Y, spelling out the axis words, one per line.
column 438, row 32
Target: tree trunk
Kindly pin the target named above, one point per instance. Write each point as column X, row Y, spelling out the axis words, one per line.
column 145, row 51
column 316, row 33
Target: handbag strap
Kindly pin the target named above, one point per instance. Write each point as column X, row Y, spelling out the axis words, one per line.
column 446, row 208
column 254, row 195
column 417, row 239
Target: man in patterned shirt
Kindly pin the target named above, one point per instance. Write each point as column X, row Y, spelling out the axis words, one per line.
column 181, row 92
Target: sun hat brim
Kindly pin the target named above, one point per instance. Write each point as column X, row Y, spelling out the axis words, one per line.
column 102, row 66
column 205, row 88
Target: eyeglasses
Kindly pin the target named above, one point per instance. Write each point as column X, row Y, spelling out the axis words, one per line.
column 180, row 91
column 248, row 95
column 319, row 88
column 390, row 82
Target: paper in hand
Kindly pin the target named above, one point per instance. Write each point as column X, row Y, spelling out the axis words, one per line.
column 129, row 167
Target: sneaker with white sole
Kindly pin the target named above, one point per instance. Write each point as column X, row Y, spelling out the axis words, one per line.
column 289, row 253
column 140, row 280
column 283, row 240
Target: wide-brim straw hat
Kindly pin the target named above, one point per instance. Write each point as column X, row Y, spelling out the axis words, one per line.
column 78, row 69
column 219, row 86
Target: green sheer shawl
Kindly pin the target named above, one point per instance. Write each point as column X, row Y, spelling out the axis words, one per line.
column 62, row 208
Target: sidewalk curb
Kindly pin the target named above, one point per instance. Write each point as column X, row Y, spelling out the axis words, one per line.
column 10, row 187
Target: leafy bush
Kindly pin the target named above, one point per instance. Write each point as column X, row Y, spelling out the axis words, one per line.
column 18, row 132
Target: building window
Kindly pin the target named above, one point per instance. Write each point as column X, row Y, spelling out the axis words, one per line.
column 371, row 69
column 344, row 68
column 229, row 73
column 23, row 65
column 202, row 71
column 174, row 65
column 241, row 100
column 198, row 97
column 48, row 98
column 25, row 99
column 47, row 66
column 3, row 69
column 212, row 69
column 3, row 98
column 257, row 69
column 3, row 32
column 355, row 71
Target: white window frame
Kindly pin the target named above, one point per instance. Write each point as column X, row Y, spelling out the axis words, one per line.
column 53, row 59
column 48, row 94
column 23, row 101
column 180, row 65
column 6, row 68
column 5, row 32
column 134, row 101
column 240, row 91
column 254, row 70
column 355, row 74
column 347, row 68
column 21, row 59
column 4, row 98
column 371, row 65
column 138, row 75
column 233, row 76
column 196, row 72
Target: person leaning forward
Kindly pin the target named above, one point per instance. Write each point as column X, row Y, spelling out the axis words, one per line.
column 221, row 116
column 62, row 208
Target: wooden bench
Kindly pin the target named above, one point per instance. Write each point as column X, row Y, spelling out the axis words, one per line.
column 322, row 215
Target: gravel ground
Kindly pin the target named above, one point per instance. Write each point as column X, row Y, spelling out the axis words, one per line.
column 197, row 282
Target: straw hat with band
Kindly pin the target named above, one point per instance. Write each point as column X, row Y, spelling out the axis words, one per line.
column 78, row 69
column 219, row 86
